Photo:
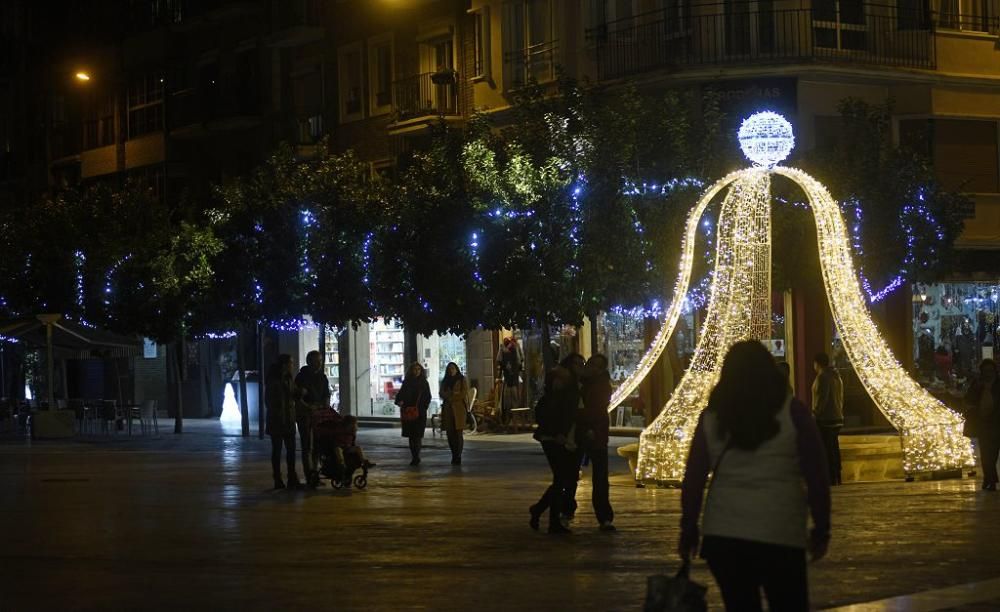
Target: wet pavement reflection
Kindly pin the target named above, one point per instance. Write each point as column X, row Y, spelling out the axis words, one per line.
column 190, row 522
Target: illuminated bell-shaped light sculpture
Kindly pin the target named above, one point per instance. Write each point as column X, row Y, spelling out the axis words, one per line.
column 739, row 308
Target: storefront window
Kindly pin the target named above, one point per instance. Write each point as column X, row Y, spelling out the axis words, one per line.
column 436, row 352
column 621, row 338
column 388, row 366
column 563, row 341
column 954, row 327
column 332, row 362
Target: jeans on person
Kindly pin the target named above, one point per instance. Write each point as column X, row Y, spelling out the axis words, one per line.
column 306, row 439
column 600, row 494
column 743, row 568
column 562, row 462
column 831, row 443
column 288, row 441
column 456, row 442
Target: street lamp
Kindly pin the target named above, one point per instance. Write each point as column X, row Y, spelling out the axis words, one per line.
column 82, row 76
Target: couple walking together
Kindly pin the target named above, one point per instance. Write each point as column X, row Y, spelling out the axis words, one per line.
column 572, row 418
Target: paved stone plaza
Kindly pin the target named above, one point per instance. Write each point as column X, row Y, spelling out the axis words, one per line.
column 189, row 523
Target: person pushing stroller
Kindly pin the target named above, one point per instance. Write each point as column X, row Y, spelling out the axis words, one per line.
column 339, row 452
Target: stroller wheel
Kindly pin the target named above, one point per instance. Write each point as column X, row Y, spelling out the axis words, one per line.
column 360, row 481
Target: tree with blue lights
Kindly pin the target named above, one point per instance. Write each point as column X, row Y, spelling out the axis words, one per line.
column 427, row 267
column 525, row 185
column 902, row 221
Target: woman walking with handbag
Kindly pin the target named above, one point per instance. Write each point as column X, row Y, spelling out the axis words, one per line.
column 982, row 419
column 413, row 399
column 454, row 405
column 763, row 443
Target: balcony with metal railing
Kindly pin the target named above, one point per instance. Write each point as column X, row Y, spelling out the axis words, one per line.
column 297, row 22
column 419, row 96
column 740, row 34
column 535, row 63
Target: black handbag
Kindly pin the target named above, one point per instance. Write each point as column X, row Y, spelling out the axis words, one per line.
column 675, row 594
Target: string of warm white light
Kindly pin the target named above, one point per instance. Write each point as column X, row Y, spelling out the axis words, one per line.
column 739, row 308
column 681, row 287
column 931, row 433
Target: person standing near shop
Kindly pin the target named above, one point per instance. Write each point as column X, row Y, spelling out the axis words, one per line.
column 593, row 434
column 314, row 394
column 828, row 408
column 982, row 417
column 279, row 397
column 454, row 406
column 761, row 445
column 413, row 399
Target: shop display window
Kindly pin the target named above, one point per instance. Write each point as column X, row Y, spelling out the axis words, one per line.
column 388, row 366
column 954, row 328
column 333, row 365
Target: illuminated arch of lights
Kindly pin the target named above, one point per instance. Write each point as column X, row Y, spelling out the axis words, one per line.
column 739, row 308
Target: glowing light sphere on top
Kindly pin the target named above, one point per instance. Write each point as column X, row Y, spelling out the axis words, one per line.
column 766, row 138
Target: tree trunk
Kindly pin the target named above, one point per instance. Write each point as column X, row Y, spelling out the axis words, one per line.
column 259, row 337
column 594, row 348
column 179, row 385
column 244, row 400
column 410, row 354
column 344, row 373
column 547, row 357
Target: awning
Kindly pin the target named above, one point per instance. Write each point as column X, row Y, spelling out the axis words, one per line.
column 69, row 338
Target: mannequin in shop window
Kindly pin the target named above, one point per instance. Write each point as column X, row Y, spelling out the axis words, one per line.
column 943, row 363
column 963, row 351
column 510, row 360
column 925, row 353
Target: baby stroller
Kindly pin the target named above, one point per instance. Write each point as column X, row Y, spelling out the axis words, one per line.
column 333, row 441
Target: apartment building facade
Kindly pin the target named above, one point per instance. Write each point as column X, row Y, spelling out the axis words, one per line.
column 938, row 61
column 198, row 91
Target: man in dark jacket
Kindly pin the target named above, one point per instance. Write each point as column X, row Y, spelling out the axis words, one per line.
column 593, row 433
column 828, row 408
column 314, row 389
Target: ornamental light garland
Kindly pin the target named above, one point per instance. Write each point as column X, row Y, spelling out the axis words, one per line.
column 739, row 308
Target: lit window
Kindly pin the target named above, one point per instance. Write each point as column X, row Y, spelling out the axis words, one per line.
column 481, row 32
column 969, row 15
column 529, row 42
column 351, row 82
column 380, row 76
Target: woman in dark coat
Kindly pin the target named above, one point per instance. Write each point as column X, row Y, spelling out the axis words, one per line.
column 414, row 392
column 982, row 416
column 279, row 397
